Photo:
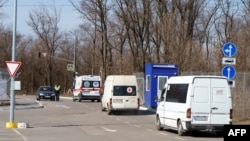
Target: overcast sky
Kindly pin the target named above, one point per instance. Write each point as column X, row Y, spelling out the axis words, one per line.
column 69, row 17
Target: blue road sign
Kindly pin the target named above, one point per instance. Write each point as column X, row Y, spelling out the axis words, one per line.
column 229, row 49
column 229, row 72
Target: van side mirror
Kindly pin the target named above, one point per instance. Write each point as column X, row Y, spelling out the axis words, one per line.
column 157, row 99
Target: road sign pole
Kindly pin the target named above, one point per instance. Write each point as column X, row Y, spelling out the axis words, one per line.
column 11, row 123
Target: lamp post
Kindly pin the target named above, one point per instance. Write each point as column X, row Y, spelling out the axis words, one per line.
column 74, row 54
column 74, row 60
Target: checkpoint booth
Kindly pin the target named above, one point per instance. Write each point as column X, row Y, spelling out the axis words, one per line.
column 156, row 75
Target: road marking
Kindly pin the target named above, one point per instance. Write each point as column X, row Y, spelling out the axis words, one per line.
column 149, row 130
column 180, row 138
column 108, row 130
column 63, row 106
column 23, row 137
column 165, row 134
column 137, row 126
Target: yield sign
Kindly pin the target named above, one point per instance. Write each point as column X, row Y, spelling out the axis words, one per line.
column 13, row 67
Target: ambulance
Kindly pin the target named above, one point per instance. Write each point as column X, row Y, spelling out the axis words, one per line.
column 87, row 87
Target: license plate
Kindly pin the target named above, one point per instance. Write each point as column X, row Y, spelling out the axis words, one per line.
column 117, row 101
column 47, row 96
column 200, row 118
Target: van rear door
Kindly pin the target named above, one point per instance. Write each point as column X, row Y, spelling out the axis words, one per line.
column 201, row 101
column 125, row 97
column 210, row 102
column 220, row 101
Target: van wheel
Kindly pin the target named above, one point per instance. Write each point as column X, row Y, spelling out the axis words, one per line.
column 79, row 98
column 108, row 110
column 180, row 128
column 158, row 124
column 73, row 98
column 103, row 108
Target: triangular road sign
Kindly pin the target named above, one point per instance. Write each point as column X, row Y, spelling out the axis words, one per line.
column 13, row 67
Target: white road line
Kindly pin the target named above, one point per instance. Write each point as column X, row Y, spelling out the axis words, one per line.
column 23, row 137
column 149, row 130
column 165, row 134
column 108, row 130
column 137, row 126
column 63, row 106
column 179, row 138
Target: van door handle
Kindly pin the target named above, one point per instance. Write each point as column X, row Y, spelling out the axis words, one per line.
column 214, row 108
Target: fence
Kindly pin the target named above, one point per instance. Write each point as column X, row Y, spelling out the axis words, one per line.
column 240, row 92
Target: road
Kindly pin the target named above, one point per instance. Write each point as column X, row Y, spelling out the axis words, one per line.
column 72, row 121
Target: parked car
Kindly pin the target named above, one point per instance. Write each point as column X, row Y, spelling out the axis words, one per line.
column 45, row 92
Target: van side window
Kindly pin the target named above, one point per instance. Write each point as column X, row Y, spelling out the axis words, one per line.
column 177, row 93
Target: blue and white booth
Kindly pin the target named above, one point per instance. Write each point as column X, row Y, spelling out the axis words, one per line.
column 156, row 75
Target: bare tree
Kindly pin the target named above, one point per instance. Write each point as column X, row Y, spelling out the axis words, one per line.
column 45, row 25
column 136, row 16
column 96, row 11
column 5, row 45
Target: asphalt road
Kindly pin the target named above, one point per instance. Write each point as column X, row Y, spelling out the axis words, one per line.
column 72, row 121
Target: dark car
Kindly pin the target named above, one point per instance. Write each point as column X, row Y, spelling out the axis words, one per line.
column 45, row 92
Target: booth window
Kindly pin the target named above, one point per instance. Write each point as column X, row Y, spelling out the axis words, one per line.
column 148, row 83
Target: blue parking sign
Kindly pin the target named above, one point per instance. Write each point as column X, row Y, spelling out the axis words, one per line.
column 229, row 49
column 229, row 72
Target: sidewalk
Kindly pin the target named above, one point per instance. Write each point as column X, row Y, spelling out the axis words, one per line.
column 21, row 103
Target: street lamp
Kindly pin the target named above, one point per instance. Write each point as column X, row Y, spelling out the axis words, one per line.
column 75, row 54
column 74, row 60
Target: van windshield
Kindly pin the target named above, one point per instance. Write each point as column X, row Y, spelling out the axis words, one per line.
column 124, row 91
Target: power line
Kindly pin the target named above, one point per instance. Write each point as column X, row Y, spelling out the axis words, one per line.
column 39, row 5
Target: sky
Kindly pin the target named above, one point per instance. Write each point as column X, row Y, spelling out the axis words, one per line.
column 69, row 20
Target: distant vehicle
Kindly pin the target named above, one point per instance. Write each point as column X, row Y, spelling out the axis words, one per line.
column 45, row 92
column 192, row 103
column 120, row 94
column 87, row 87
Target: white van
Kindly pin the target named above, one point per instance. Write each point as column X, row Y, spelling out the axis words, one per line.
column 120, row 94
column 189, row 103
